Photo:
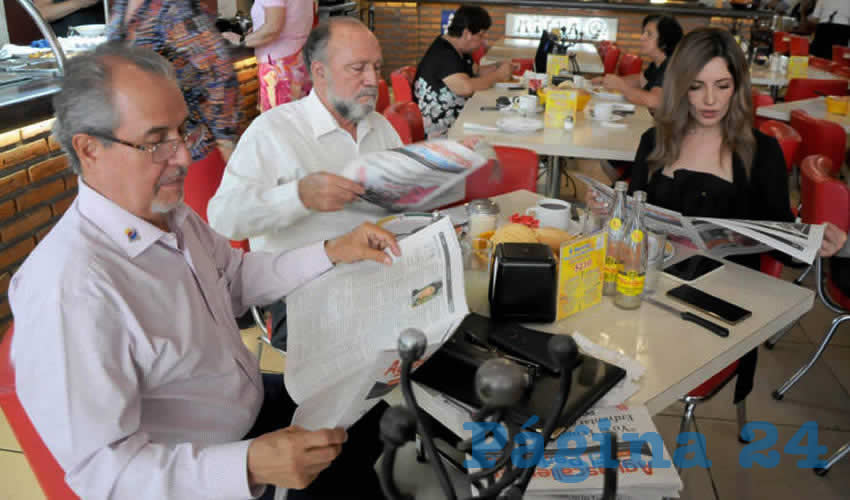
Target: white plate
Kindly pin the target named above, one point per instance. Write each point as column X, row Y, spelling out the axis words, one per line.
column 405, row 224
column 519, row 125
column 588, row 112
column 90, row 29
column 507, row 85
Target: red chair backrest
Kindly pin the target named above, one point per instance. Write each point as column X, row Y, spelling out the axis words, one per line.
column 781, row 42
column 611, row 58
column 478, row 54
column 842, row 71
column 824, row 197
column 841, row 55
column 406, row 118
column 402, row 82
column 522, row 64
column 383, row 96
column 519, row 171
column 603, row 47
column 821, row 63
column 806, row 88
column 47, row 471
column 820, row 137
column 201, row 183
column 788, row 137
column 759, row 100
column 799, row 46
column 630, row 64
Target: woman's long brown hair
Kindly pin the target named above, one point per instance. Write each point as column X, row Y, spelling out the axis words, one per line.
column 673, row 119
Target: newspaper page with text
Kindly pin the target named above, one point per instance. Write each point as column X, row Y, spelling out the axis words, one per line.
column 344, row 326
column 418, row 176
column 724, row 237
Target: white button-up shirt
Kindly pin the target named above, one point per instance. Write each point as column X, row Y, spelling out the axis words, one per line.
column 258, row 196
column 127, row 357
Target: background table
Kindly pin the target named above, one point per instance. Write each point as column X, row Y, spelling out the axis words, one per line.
column 815, row 107
column 761, row 75
column 523, row 48
column 678, row 355
column 587, row 139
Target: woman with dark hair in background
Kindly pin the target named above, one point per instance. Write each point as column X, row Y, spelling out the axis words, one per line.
column 657, row 42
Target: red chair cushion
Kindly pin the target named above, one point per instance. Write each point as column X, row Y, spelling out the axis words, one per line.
column 789, row 139
column 383, row 96
column 402, row 82
column 715, row 383
column 519, row 171
column 406, row 118
column 807, row 88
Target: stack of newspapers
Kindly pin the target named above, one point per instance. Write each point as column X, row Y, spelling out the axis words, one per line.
column 572, row 466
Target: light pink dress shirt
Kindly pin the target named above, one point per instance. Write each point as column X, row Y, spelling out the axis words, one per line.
column 127, row 357
column 296, row 27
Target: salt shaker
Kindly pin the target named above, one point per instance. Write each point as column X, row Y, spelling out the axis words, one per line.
column 483, row 216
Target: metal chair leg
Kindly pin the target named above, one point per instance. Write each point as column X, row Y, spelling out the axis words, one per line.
column 741, row 408
column 802, row 275
column 780, row 393
column 838, row 455
column 771, row 342
column 688, row 416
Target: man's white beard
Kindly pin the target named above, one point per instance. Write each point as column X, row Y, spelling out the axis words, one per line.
column 351, row 110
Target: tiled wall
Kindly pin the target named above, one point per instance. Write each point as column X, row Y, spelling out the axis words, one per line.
column 37, row 185
column 406, row 29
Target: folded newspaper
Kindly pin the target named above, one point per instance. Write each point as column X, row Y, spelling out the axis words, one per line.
column 572, row 466
column 344, row 326
column 724, row 237
column 419, row 176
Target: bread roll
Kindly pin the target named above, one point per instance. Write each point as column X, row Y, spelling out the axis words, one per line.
column 514, row 233
column 553, row 237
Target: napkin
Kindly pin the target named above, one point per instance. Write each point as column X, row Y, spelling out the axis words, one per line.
column 634, row 370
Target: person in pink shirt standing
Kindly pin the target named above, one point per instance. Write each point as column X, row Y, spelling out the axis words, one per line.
column 280, row 30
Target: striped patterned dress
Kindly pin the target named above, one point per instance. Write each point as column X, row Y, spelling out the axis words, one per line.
column 185, row 34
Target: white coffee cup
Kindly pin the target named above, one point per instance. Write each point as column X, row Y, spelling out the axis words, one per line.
column 603, row 111
column 552, row 212
column 578, row 81
column 525, row 103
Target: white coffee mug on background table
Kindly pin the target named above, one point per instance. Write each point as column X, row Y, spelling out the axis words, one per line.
column 552, row 212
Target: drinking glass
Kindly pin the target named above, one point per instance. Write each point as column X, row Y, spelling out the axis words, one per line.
column 477, row 259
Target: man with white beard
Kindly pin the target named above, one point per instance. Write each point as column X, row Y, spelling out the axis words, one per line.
column 282, row 187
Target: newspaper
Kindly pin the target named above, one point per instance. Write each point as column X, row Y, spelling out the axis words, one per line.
column 569, row 475
column 344, row 326
column 724, row 237
column 419, row 176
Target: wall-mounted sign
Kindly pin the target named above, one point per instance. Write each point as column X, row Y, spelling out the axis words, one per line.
column 445, row 19
column 586, row 28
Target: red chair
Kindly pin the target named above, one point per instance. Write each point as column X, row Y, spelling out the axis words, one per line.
column 799, row 46
column 47, row 470
column 629, row 64
column 402, row 82
column 842, row 71
column 789, row 140
column 820, row 137
column 478, row 54
column 201, row 182
column 807, row 88
column 759, row 100
column 781, row 42
column 821, row 63
column 825, row 199
column 611, row 58
column 519, row 171
column 383, row 96
column 841, row 55
column 406, row 119
column 522, row 64
column 603, row 47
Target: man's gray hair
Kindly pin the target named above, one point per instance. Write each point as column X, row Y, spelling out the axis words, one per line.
column 316, row 46
column 84, row 105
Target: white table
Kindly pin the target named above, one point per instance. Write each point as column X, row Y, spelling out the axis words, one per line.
column 524, row 48
column 815, row 107
column 678, row 355
column 588, row 138
column 761, row 75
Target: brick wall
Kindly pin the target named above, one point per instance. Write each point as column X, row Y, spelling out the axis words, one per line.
column 37, row 185
column 406, row 29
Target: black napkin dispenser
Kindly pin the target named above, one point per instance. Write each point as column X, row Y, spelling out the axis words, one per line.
column 523, row 283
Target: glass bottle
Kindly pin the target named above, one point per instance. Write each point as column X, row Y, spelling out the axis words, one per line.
column 615, row 237
column 633, row 255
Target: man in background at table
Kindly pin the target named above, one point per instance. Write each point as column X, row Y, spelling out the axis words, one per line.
column 127, row 357
column 833, row 26
column 446, row 75
column 283, row 186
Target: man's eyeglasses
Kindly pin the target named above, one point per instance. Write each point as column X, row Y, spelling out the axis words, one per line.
column 161, row 151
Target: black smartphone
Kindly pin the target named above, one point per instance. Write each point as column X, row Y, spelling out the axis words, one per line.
column 709, row 304
column 693, row 267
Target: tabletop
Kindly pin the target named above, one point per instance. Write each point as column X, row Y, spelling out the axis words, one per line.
column 815, row 107
column 524, row 48
column 678, row 355
column 761, row 75
column 587, row 139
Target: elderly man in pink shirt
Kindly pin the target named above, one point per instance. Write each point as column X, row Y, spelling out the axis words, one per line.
column 127, row 357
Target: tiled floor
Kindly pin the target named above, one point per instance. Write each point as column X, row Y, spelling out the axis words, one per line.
column 822, row 396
